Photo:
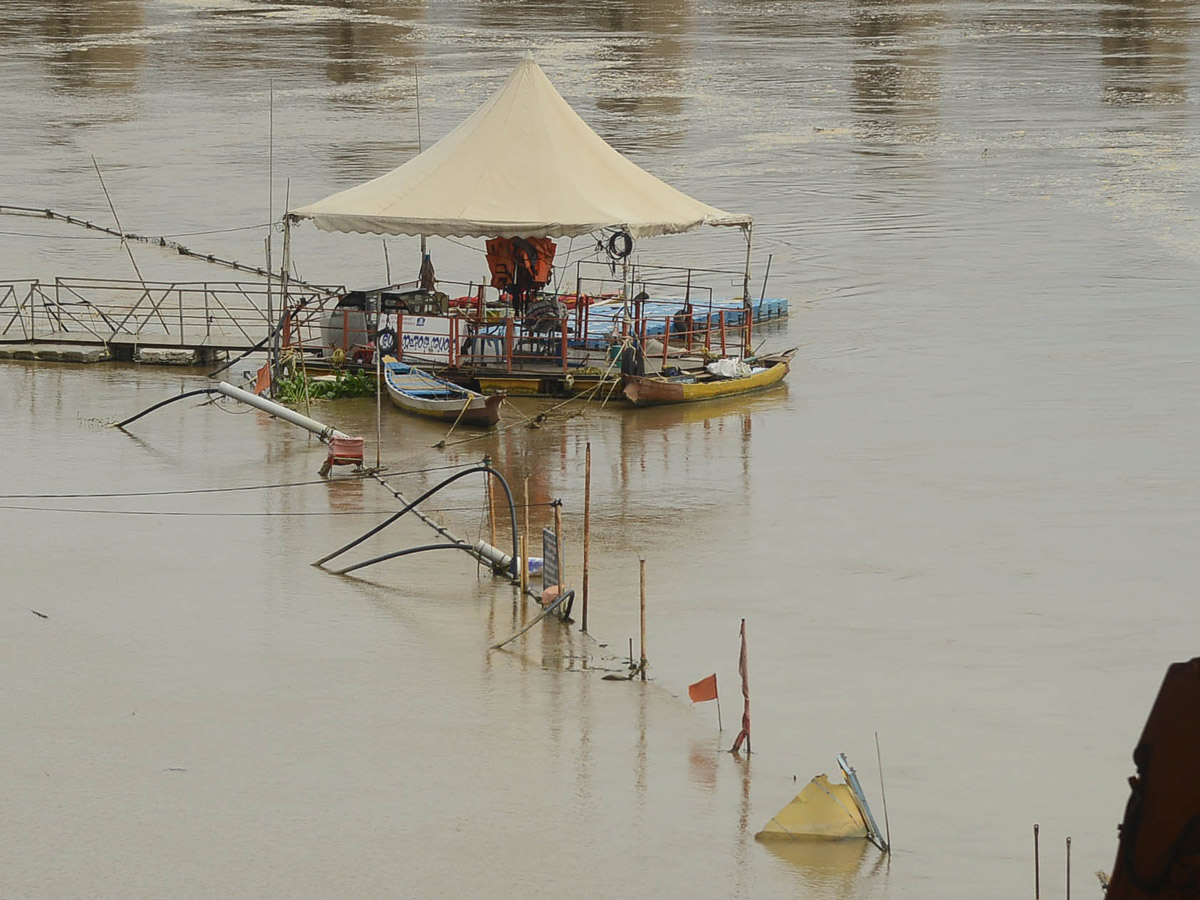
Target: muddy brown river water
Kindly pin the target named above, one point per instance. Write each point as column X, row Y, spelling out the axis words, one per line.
column 967, row 523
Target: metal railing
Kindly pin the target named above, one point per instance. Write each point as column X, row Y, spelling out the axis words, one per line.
column 92, row 310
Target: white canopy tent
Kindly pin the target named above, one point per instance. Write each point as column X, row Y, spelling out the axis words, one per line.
column 523, row 165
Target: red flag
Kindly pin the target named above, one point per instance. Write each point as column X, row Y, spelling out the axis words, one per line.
column 704, row 689
column 744, row 734
column 264, row 379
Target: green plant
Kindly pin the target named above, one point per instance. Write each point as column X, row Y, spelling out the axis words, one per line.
column 292, row 389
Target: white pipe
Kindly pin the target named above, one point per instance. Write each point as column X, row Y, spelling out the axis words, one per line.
column 497, row 557
column 324, row 432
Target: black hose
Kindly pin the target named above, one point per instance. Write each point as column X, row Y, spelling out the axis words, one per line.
column 397, row 553
column 433, row 490
column 162, row 403
column 621, row 250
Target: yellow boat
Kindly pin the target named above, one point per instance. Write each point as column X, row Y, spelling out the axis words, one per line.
column 656, row 390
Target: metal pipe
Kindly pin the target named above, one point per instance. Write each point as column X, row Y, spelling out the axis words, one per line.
column 767, row 275
column 568, row 596
column 1037, row 866
column 273, row 352
column 747, row 328
column 494, row 555
column 1068, row 869
column 487, row 491
column 322, row 431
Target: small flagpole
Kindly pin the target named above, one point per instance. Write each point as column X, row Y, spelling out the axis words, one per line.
column 720, row 727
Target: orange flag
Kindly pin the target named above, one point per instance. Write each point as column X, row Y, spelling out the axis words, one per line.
column 264, row 379
column 704, row 689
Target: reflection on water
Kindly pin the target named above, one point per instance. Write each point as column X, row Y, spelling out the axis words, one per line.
column 96, row 45
column 643, row 55
column 895, row 73
column 955, row 483
column 1144, row 51
column 371, row 43
column 827, row 868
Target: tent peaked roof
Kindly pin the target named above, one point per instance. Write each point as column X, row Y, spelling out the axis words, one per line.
column 523, row 165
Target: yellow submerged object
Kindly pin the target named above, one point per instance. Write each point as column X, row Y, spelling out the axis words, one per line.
column 821, row 811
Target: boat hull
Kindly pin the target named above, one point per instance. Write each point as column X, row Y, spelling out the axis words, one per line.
column 659, row 391
column 442, row 400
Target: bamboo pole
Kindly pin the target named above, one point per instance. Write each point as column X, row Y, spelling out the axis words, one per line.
column 587, row 526
column 558, row 545
column 642, row 572
column 527, row 534
column 524, row 566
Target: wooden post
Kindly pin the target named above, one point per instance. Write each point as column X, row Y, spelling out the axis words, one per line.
column 642, row 570
column 587, row 525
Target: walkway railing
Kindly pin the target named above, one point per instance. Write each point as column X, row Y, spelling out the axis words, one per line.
column 231, row 314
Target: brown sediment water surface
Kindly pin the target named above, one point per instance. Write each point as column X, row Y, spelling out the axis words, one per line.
column 967, row 522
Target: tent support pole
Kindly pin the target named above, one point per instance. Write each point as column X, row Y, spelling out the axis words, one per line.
column 747, row 306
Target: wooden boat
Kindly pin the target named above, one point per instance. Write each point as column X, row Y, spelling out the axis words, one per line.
column 690, row 387
column 416, row 391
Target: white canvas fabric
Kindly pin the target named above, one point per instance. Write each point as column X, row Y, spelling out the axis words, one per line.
column 523, row 165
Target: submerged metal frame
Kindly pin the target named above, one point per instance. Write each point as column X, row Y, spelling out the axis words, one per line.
column 491, row 472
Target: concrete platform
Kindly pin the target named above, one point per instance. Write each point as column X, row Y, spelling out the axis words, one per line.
column 168, row 356
column 55, row 353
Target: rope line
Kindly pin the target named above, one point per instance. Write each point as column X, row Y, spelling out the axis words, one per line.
column 266, row 514
column 223, row 490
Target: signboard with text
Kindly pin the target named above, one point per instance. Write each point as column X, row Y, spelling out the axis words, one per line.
column 424, row 338
column 549, row 559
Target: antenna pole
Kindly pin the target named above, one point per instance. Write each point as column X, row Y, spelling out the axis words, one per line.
column 1037, row 866
column 879, row 760
column 420, row 143
column 270, row 196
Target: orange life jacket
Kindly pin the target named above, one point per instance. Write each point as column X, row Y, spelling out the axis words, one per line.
column 506, row 256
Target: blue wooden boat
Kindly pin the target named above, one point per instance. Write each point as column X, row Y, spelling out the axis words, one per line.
column 423, row 394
